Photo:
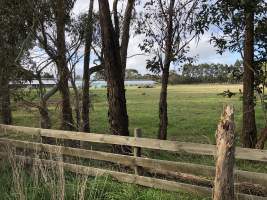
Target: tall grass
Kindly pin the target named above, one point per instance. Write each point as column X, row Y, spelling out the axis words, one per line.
column 21, row 180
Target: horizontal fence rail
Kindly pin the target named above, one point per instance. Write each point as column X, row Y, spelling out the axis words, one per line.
column 198, row 177
column 154, row 165
column 174, row 146
column 132, row 178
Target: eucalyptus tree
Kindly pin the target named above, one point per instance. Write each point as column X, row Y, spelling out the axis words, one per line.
column 40, row 61
column 39, row 96
column 122, row 28
column 117, row 109
column 15, row 40
column 237, row 21
column 86, row 75
column 54, row 35
column 114, row 69
column 169, row 26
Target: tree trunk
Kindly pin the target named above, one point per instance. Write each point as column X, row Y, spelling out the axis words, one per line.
column 225, row 145
column 76, row 103
column 6, row 114
column 43, row 109
column 118, row 117
column 45, row 120
column 67, row 119
column 262, row 139
column 86, row 75
column 249, row 132
column 116, row 19
column 163, row 107
column 126, row 34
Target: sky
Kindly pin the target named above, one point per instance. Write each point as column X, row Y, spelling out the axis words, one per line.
column 204, row 51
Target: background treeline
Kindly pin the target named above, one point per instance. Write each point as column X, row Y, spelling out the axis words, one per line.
column 193, row 73
column 207, row 73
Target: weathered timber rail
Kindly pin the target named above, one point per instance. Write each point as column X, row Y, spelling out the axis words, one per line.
column 148, row 163
column 153, row 165
column 174, row 146
column 132, row 178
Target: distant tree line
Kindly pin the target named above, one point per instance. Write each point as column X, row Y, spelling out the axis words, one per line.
column 207, row 73
column 191, row 73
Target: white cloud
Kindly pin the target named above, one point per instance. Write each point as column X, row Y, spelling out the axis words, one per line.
column 206, row 52
column 139, row 61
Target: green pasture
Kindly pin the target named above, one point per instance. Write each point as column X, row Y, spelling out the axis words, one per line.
column 194, row 111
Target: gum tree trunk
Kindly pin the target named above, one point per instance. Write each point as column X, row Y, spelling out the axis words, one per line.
column 67, row 118
column 86, row 75
column 163, row 107
column 45, row 120
column 5, row 109
column 126, row 34
column 118, row 117
column 5, row 104
column 249, row 132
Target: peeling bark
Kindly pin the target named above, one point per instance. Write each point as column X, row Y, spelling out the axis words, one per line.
column 225, row 156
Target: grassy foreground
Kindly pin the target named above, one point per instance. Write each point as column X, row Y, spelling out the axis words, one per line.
column 194, row 111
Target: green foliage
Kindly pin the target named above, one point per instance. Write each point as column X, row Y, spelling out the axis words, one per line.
column 132, row 74
column 25, row 94
column 186, row 20
column 207, row 73
column 229, row 18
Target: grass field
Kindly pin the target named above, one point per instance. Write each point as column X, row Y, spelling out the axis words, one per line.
column 194, row 111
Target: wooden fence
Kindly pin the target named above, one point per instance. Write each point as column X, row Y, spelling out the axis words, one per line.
column 180, row 170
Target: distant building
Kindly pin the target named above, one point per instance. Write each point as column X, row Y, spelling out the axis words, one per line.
column 94, row 84
column 34, row 83
column 102, row 84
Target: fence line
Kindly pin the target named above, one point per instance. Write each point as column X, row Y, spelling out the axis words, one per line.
column 179, row 170
column 159, row 166
column 175, row 146
column 132, row 178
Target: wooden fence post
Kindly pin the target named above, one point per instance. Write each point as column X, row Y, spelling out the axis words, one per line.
column 225, row 146
column 137, row 151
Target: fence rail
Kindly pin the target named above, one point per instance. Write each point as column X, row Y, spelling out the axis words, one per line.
column 175, row 146
column 162, row 167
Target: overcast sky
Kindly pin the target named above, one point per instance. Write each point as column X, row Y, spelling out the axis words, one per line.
column 205, row 52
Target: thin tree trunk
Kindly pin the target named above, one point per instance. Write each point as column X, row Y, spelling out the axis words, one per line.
column 116, row 19
column 67, row 119
column 44, row 111
column 6, row 114
column 126, row 34
column 225, row 146
column 249, row 132
column 86, row 75
column 45, row 120
column 118, row 117
column 6, row 104
column 77, row 104
column 262, row 139
column 163, row 107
